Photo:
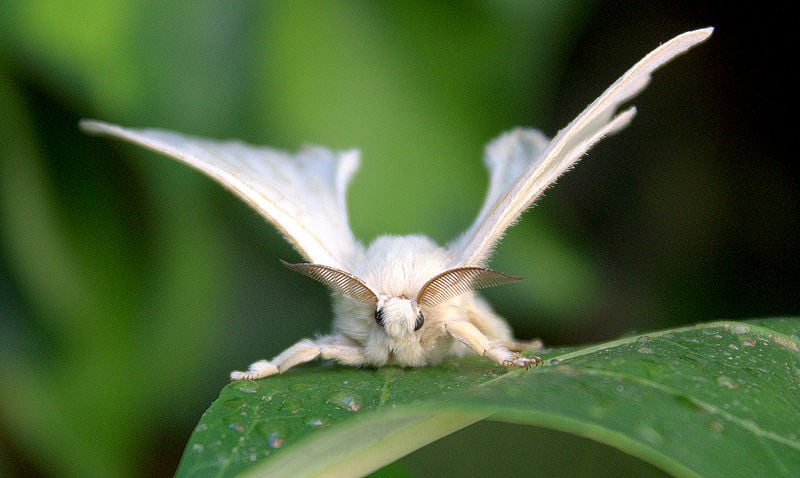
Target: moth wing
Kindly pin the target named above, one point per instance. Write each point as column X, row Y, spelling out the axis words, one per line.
column 522, row 166
column 302, row 194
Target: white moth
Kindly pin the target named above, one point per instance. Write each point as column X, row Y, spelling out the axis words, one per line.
column 404, row 300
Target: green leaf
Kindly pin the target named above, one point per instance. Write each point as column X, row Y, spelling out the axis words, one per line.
column 715, row 399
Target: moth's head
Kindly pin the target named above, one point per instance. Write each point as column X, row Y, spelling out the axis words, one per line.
column 400, row 316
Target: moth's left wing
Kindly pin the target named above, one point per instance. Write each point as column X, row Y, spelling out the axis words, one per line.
column 302, row 194
column 522, row 164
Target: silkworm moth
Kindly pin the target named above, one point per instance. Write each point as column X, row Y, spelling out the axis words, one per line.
column 402, row 300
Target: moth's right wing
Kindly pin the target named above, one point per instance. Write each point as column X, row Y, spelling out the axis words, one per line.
column 522, row 163
column 302, row 194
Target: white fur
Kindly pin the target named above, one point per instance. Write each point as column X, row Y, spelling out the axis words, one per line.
column 303, row 195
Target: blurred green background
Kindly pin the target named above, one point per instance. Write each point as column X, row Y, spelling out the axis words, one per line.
column 131, row 285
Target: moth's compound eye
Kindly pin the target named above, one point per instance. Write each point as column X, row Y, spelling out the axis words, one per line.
column 379, row 316
column 419, row 322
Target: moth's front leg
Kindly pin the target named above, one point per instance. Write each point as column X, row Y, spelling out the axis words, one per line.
column 469, row 335
column 329, row 347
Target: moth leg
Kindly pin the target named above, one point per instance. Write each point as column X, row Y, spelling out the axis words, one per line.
column 330, row 347
column 469, row 335
column 526, row 361
column 490, row 324
column 342, row 350
column 256, row 370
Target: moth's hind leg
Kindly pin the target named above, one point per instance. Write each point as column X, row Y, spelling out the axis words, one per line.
column 329, row 348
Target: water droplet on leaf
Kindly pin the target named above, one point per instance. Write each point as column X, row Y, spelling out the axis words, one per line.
column 275, row 440
column 274, row 431
column 726, row 382
column 746, row 340
column 347, row 401
column 740, row 329
column 650, row 434
column 235, row 403
column 291, row 405
column 233, row 422
column 318, row 422
column 246, row 386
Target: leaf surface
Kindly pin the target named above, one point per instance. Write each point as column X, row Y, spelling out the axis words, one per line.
column 715, row 399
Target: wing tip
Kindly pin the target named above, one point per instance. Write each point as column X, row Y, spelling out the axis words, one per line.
column 693, row 37
column 93, row 126
column 702, row 32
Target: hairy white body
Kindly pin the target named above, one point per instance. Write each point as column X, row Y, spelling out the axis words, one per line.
column 399, row 267
column 404, row 300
